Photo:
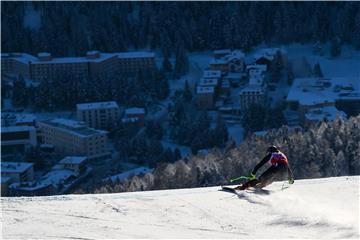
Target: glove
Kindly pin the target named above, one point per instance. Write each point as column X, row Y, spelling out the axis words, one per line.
column 252, row 176
column 291, row 181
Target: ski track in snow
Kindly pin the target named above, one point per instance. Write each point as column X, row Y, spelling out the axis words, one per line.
column 318, row 208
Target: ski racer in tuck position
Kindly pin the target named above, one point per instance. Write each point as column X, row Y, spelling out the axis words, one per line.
column 278, row 171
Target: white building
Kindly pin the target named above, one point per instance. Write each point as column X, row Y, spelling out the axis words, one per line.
column 74, row 138
column 209, row 82
column 11, row 119
column 75, row 163
column 17, row 171
column 100, row 115
column 212, row 74
column 321, row 96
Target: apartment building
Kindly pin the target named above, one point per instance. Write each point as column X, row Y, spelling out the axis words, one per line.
column 16, row 63
column 205, row 97
column 100, row 115
column 219, row 65
column 74, row 138
column 93, row 64
column 134, row 116
column 74, row 163
column 221, row 53
column 250, row 95
column 17, row 139
column 17, row 171
column 23, row 119
column 133, row 62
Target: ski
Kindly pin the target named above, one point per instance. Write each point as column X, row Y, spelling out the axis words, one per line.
column 228, row 189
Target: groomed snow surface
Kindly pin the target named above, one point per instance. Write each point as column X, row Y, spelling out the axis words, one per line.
column 318, row 208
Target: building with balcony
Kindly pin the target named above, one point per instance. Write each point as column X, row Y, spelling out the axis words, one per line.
column 93, row 64
column 70, row 137
column 99, row 115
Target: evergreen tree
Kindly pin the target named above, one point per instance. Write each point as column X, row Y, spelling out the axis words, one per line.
column 187, row 92
column 335, row 47
column 166, row 65
column 221, row 132
column 177, row 154
column 277, row 66
column 254, row 118
column 181, row 61
column 154, row 130
column 290, row 74
column 356, row 34
column 19, row 97
column 317, row 71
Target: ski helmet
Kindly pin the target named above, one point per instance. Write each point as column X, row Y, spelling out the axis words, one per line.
column 272, row 149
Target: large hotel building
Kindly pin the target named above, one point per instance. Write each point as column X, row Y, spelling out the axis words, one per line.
column 94, row 64
column 74, row 138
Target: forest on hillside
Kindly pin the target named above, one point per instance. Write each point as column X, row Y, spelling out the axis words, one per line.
column 72, row 28
column 326, row 149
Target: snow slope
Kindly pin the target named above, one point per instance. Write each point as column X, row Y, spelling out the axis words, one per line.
column 318, row 208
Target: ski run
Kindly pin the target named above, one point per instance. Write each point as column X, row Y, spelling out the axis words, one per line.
column 324, row 208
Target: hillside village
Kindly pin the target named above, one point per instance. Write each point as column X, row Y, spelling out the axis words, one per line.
column 233, row 95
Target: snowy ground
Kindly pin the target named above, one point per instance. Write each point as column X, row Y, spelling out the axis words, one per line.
column 318, row 208
column 347, row 65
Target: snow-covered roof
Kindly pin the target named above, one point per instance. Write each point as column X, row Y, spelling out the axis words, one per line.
column 134, row 111
column 256, row 81
column 4, row 179
column 261, row 67
column 73, row 160
column 73, row 127
column 222, row 51
column 208, row 82
column 17, row 129
column 261, row 133
column 201, row 89
column 96, row 105
column 130, row 173
column 267, row 53
column 311, row 91
column 130, row 120
column 20, row 57
column 26, row 58
column 218, row 61
column 136, row 54
column 15, row 167
column 92, row 52
column 68, row 123
column 44, row 54
column 234, row 76
column 212, row 74
column 329, row 112
column 236, row 54
column 56, row 177
column 25, row 117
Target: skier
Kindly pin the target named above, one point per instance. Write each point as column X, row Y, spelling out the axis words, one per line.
column 278, row 170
